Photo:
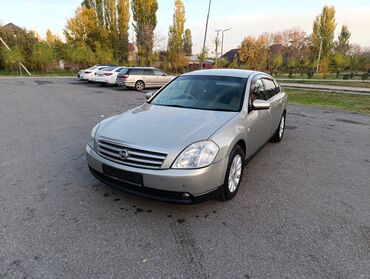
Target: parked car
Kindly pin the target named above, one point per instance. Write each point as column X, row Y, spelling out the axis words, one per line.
column 107, row 75
column 88, row 73
column 142, row 77
column 192, row 138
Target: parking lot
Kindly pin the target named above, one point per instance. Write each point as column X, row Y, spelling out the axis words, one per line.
column 303, row 209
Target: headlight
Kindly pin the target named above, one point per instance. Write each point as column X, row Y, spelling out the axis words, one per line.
column 197, row 155
column 91, row 141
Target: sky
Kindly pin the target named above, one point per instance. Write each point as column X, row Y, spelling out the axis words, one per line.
column 245, row 17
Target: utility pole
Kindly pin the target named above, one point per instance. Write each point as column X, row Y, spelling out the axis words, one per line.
column 318, row 60
column 205, row 36
column 222, row 40
column 20, row 63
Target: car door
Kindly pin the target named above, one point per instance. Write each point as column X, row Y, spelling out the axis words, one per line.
column 257, row 121
column 161, row 78
column 149, row 78
column 275, row 99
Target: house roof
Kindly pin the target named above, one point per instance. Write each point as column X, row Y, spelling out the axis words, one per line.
column 11, row 27
column 230, row 55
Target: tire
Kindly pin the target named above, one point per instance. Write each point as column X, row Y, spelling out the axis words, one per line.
column 234, row 172
column 139, row 85
column 279, row 133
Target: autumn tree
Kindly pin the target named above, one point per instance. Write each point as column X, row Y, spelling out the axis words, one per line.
column 145, row 21
column 123, row 19
column 254, row 52
column 188, row 42
column 82, row 29
column 323, row 33
column 325, row 67
column 175, row 35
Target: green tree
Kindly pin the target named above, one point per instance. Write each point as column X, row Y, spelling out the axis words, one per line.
column 82, row 56
column 11, row 59
column 175, row 35
column 343, row 45
column 42, row 56
column 188, row 42
column 323, row 33
column 277, row 63
column 145, row 21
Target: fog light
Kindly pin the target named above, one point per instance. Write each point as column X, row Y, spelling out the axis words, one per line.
column 185, row 195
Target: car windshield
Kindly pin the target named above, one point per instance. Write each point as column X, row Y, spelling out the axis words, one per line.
column 203, row 92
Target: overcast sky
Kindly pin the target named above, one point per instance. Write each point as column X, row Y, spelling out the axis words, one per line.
column 245, row 17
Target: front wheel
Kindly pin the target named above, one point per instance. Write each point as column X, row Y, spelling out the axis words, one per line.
column 279, row 133
column 233, row 173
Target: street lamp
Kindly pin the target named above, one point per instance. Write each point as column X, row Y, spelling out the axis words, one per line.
column 320, row 50
column 222, row 40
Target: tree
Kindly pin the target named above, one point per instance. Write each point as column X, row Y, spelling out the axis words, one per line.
column 254, row 52
column 175, row 35
column 145, row 21
column 81, row 56
column 50, row 38
column 277, row 63
column 82, row 29
column 342, row 45
column 323, row 33
column 123, row 9
column 292, row 63
column 11, row 59
column 324, row 67
column 217, row 42
column 340, row 62
column 42, row 56
column 188, row 42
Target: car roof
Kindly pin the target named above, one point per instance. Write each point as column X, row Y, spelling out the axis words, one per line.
column 224, row 72
column 113, row 68
column 142, row 68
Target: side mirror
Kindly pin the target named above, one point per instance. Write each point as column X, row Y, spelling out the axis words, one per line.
column 261, row 105
column 149, row 95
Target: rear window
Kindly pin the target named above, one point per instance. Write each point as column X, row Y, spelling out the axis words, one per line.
column 123, row 71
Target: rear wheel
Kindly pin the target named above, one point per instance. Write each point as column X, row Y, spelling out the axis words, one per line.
column 234, row 173
column 139, row 85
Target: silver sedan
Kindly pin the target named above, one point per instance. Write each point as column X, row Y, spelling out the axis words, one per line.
column 192, row 138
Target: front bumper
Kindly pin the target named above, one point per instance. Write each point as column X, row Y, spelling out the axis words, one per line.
column 184, row 186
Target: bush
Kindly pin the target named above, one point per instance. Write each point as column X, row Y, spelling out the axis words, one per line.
column 42, row 56
column 11, row 59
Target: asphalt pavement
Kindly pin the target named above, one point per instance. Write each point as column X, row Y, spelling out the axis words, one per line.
column 303, row 209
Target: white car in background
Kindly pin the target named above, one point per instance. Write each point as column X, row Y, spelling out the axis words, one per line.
column 107, row 75
column 88, row 73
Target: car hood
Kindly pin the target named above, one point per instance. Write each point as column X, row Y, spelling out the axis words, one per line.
column 163, row 128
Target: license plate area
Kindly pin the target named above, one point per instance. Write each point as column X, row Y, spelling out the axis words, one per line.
column 125, row 176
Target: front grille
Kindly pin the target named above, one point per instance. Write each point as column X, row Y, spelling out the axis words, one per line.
column 136, row 157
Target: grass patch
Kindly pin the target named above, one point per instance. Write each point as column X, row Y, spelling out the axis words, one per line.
column 349, row 102
column 348, row 83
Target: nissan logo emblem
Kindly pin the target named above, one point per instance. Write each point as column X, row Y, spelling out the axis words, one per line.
column 123, row 154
